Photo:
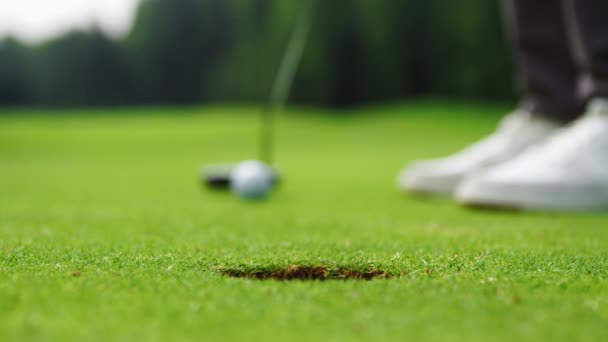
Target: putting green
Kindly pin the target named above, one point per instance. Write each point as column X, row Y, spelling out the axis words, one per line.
column 106, row 234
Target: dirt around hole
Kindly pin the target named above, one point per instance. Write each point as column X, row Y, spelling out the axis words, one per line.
column 300, row 272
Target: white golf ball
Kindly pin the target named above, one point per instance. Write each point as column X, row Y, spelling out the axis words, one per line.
column 252, row 180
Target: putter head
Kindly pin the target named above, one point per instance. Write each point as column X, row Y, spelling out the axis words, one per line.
column 218, row 177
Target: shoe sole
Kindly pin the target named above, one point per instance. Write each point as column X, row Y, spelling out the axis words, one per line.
column 533, row 207
column 507, row 197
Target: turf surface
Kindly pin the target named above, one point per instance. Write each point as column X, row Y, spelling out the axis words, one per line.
column 106, row 234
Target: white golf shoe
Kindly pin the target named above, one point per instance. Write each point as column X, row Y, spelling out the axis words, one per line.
column 517, row 132
column 568, row 172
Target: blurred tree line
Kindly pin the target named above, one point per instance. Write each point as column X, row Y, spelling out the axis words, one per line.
column 199, row 51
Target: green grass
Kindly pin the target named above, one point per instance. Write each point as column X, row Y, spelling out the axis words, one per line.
column 116, row 198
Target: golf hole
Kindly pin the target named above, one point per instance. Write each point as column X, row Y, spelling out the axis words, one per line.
column 302, row 272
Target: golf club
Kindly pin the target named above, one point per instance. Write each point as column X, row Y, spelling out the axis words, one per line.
column 218, row 176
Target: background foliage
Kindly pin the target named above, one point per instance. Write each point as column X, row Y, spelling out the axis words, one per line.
column 200, row 51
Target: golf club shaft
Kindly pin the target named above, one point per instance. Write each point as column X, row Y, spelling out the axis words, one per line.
column 284, row 78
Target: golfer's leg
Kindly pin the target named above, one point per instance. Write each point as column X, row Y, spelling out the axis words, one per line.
column 542, row 53
column 549, row 81
column 588, row 22
column 568, row 171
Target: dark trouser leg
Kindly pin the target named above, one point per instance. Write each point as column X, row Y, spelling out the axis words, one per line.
column 588, row 20
column 542, row 52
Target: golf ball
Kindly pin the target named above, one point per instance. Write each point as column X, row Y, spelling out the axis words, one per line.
column 252, row 180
